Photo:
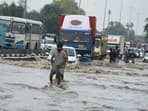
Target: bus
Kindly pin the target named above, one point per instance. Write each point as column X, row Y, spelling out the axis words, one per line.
column 19, row 33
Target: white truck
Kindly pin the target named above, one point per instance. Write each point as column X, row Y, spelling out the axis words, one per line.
column 48, row 41
column 116, row 40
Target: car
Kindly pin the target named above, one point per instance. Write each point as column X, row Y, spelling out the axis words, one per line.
column 145, row 58
column 72, row 56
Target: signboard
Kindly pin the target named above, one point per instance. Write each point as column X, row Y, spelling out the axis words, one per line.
column 113, row 39
column 76, row 22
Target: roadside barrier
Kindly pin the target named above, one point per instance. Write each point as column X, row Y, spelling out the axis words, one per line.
column 21, row 53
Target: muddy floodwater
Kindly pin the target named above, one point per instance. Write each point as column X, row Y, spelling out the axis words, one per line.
column 112, row 89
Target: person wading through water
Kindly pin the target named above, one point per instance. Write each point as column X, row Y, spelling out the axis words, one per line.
column 58, row 62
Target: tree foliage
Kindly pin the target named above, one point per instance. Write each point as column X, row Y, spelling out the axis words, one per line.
column 49, row 17
column 11, row 10
column 130, row 31
column 34, row 15
column 116, row 28
column 69, row 7
column 48, row 14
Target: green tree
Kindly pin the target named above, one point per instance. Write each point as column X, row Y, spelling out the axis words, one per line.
column 11, row 10
column 130, row 31
column 115, row 28
column 146, row 27
column 49, row 17
column 3, row 8
column 34, row 15
column 69, row 7
column 50, row 12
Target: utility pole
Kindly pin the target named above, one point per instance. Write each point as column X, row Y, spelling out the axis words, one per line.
column 25, row 9
column 137, row 27
column 104, row 15
column 130, row 15
column 121, row 11
column 130, row 21
column 109, row 13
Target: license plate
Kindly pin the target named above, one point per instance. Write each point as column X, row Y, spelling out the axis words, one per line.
column 81, row 46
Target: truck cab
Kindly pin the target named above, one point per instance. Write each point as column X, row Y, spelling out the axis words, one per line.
column 100, row 46
column 48, row 41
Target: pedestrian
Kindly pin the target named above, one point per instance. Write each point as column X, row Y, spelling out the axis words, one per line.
column 58, row 62
column 126, row 54
column 117, row 51
column 111, row 56
column 114, row 55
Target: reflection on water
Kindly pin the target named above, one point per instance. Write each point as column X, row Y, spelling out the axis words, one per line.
column 24, row 89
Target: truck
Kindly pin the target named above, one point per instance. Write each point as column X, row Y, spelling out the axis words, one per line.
column 78, row 31
column 100, row 46
column 116, row 40
column 48, row 41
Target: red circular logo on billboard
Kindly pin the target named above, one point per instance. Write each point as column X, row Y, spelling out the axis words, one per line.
column 75, row 22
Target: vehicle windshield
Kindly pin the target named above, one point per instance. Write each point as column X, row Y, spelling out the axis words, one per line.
column 69, row 51
column 5, row 24
column 75, row 36
column 49, row 41
column 97, row 43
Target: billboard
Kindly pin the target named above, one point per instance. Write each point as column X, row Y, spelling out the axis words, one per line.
column 113, row 39
column 76, row 22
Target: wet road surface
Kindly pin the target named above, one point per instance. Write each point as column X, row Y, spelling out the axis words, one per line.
column 23, row 89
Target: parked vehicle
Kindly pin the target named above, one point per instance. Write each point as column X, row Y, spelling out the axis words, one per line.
column 72, row 56
column 19, row 33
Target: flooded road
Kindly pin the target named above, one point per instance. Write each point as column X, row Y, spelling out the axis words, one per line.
column 23, row 89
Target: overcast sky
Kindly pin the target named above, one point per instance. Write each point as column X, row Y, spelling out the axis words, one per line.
column 133, row 10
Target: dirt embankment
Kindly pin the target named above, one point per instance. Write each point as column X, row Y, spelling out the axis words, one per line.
column 34, row 63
